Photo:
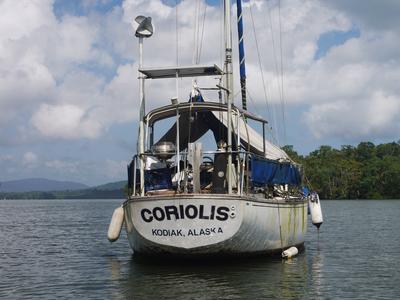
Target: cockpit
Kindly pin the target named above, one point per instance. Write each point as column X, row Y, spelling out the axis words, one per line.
column 178, row 162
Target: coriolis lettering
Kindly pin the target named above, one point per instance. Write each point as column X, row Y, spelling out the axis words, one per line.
column 173, row 212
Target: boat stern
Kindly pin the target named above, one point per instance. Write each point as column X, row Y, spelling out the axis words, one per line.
column 181, row 224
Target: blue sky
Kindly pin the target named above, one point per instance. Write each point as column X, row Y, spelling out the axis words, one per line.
column 334, row 38
column 69, row 97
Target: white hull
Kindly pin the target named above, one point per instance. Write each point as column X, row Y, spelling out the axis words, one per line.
column 205, row 224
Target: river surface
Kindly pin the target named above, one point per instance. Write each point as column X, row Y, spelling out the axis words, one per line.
column 58, row 249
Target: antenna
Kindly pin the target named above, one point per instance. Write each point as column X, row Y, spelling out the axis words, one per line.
column 144, row 28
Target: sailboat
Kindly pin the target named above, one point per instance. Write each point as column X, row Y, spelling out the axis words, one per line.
column 242, row 197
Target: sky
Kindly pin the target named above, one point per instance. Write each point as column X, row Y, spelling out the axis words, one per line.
column 69, row 89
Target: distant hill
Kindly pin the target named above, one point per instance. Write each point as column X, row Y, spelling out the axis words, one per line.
column 118, row 185
column 112, row 190
column 39, row 184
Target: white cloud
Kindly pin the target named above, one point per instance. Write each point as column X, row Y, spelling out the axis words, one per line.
column 74, row 77
column 90, row 172
column 372, row 15
column 379, row 117
column 42, row 70
column 354, row 91
column 6, row 158
column 114, row 169
column 65, row 121
column 62, row 166
column 351, row 92
column 154, row 8
column 304, row 54
column 52, row 60
column 21, row 18
column 29, row 159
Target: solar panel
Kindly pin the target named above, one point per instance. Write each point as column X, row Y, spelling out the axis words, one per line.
column 183, row 71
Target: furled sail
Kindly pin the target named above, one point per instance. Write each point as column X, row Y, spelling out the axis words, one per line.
column 270, row 167
column 250, row 137
column 193, row 127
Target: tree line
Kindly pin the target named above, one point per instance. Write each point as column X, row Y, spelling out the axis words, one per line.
column 77, row 194
column 365, row 171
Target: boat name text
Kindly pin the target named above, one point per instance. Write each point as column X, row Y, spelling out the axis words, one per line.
column 177, row 212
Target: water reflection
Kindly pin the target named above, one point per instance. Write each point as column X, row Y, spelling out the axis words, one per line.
column 239, row 278
column 115, row 268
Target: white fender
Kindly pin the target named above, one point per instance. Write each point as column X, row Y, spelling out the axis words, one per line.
column 288, row 253
column 117, row 220
column 315, row 208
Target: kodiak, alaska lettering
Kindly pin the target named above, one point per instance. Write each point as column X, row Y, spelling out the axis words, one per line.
column 172, row 212
column 167, row 232
column 191, row 232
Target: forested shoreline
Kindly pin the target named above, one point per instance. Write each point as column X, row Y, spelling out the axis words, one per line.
column 365, row 171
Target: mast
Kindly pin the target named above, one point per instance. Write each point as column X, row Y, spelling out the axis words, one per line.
column 228, row 85
column 242, row 63
column 144, row 30
column 141, row 117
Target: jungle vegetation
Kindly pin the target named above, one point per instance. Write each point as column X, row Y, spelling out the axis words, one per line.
column 365, row 171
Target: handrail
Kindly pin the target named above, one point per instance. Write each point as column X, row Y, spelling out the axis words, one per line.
column 169, row 111
column 244, row 157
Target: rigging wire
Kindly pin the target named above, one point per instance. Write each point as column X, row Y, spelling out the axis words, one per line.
column 269, row 112
column 177, row 47
column 221, row 60
column 221, row 32
column 196, row 32
column 178, row 156
column 251, row 99
column 281, row 94
column 202, row 32
column 176, row 33
column 283, row 100
column 255, row 106
column 278, row 70
column 275, row 60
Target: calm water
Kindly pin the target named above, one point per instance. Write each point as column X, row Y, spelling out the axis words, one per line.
column 53, row 249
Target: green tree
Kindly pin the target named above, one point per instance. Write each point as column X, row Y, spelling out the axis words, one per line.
column 363, row 172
